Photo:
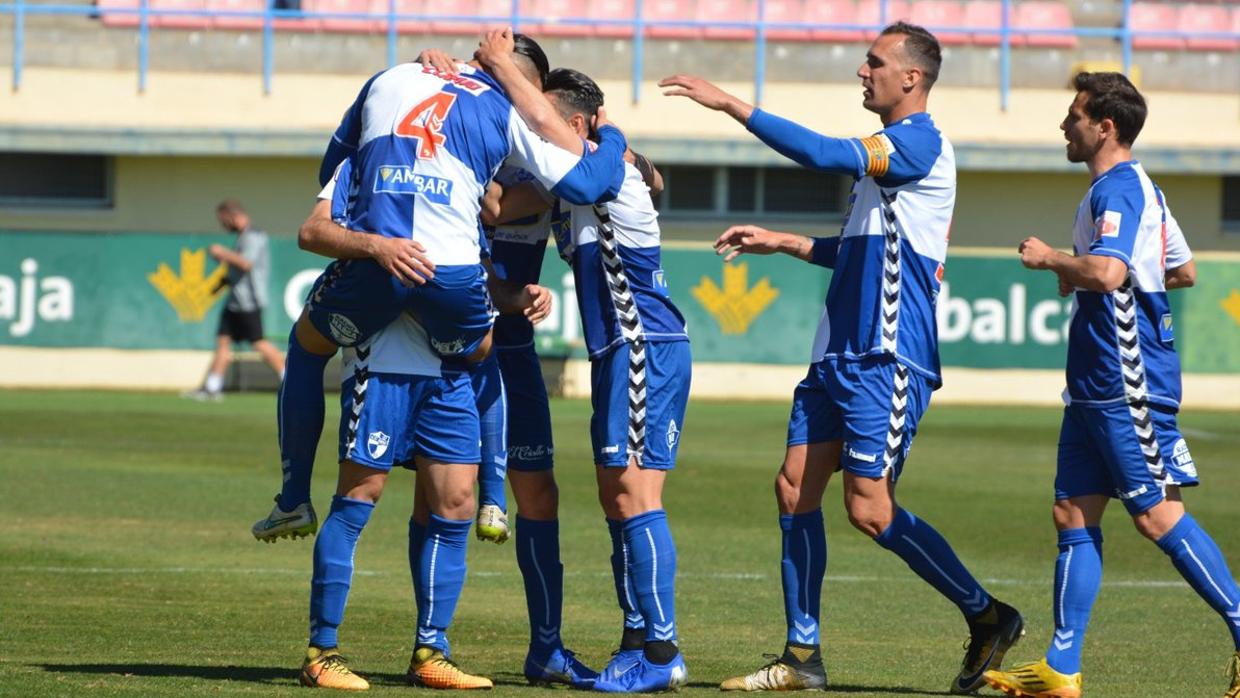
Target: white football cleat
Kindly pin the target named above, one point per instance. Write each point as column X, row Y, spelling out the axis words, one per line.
column 298, row 523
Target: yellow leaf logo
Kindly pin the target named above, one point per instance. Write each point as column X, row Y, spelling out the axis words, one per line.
column 192, row 292
column 1231, row 305
column 736, row 305
column 385, row 172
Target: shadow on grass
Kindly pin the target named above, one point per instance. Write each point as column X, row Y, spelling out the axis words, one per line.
column 254, row 674
column 284, row 675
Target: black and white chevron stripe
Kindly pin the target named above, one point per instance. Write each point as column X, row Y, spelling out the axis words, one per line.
column 1133, row 369
column 331, row 276
column 361, row 377
column 630, row 328
column 890, row 302
column 895, row 423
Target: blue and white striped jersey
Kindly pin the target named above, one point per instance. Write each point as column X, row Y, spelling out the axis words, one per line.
column 1121, row 345
column 620, row 284
column 426, row 144
column 893, row 245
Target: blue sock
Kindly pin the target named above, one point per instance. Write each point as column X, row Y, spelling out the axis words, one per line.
column 493, row 421
column 441, row 574
column 926, row 553
column 299, row 419
column 333, row 567
column 417, row 537
column 538, row 557
column 1078, row 574
column 652, row 566
column 802, row 566
column 1201, row 563
column 625, row 593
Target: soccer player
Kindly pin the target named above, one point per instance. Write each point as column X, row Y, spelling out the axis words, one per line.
column 400, row 405
column 425, row 145
column 640, row 369
column 875, row 356
column 1119, row 437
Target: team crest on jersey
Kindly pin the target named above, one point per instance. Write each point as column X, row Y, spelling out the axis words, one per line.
column 401, row 179
column 659, row 280
column 1107, row 225
column 377, row 443
column 343, row 330
column 1166, row 333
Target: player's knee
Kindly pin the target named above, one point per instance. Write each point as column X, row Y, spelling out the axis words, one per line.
column 454, row 503
column 1063, row 514
column 537, row 497
column 787, row 493
column 1154, row 524
column 870, row 520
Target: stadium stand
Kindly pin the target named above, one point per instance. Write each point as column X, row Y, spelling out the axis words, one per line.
column 1154, row 17
column 1207, row 18
column 941, row 16
column 555, row 10
column 1045, row 14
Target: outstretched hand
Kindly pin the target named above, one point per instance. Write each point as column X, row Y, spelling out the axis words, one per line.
column 748, row 239
column 706, row 94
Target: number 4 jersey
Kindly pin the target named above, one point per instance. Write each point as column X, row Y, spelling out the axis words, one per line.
column 425, row 145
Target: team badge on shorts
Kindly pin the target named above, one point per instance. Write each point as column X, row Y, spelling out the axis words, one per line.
column 377, row 444
column 672, row 435
column 1183, row 459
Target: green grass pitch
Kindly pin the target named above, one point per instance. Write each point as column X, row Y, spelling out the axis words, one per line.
column 127, row 566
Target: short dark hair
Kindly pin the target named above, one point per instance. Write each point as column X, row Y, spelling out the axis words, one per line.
column 523, row 45
column 1113, row 96
column 229, row 206
column 921, row 46
column 574, row 92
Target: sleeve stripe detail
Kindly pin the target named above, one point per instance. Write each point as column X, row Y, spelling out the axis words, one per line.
column 878, row 159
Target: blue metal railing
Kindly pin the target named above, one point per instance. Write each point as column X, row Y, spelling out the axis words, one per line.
column 21, row 9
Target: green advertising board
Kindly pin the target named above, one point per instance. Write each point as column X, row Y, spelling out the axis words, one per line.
column 144, row 291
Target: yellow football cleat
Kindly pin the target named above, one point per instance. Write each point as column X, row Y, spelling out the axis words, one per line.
column 1234, row 670
column 328, row 669
column 1035, row 680
column 429, row 668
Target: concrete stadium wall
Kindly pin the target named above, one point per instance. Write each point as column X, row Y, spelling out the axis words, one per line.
column 179, row 194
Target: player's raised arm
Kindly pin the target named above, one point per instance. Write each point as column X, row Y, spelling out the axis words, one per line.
column 495, row 53
column 583, row 180
column 805, row 147
column 750, row 239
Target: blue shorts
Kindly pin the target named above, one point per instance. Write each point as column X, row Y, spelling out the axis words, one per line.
column 872, row 405
column 353, row 299
column 1129, row 452
column 390, row 418
column 530, row 448
column 492, row 403
column 650, row 424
